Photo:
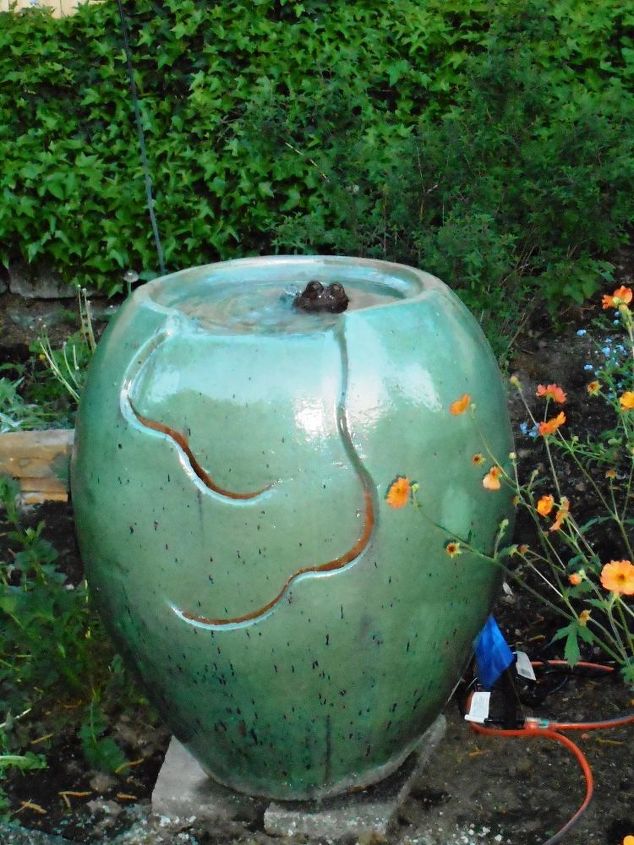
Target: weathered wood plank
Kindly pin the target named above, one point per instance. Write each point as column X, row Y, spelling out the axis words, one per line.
column 39, row 461
column 38, row 497
column 60, row 8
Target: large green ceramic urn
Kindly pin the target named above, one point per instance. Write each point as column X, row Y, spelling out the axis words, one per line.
column 233, row 456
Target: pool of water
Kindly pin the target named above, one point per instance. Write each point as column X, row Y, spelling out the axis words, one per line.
column 266, row 307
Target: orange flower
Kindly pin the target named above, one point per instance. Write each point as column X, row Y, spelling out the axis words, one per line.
column 627, row 401
column 621, row 296
column 491, row 480
column 523, row 548
column 584, row 616
column 594, row 388
column 562, row 513
column 453, row 548
column 551, row 425
column 617, row 576
column 629, row 840
column 610, row 473
column 460, row 405
column 552, row 391
column 575, row 578
column 399, row 492
column 545, row 505
column 477, row 459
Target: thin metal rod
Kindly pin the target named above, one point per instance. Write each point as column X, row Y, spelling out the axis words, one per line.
column 141, row 136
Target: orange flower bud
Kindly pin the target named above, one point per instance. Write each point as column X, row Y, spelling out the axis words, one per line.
column 399, row 492
column 545, row 505
column 551, row 391
column 626, row 401
column 562, row 514
column 491, row 480
column 551, row 425
column 621, row 296
column 460, row 405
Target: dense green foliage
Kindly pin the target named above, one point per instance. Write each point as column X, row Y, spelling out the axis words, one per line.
column 485, row 141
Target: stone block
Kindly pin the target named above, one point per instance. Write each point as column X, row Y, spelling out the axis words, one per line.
column 38, row 282
column 183, row 789
column 15, row 835
column 367, row 813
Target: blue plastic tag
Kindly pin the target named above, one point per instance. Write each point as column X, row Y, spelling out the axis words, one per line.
column 492, row 653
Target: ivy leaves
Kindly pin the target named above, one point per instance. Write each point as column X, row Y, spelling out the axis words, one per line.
column 262, row 116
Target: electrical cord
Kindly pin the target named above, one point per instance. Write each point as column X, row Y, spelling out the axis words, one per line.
column 537, row 732
column 536, row 728
column 533, row 694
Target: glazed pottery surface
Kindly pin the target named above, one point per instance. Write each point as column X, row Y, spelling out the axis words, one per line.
column 231, row 464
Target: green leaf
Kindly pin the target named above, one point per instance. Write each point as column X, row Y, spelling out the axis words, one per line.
column 25, row 762
column 8, row 603
column 102, row 752
column 572, row 654
column 294, row 199
column 396, row 70
column 32, row 250
column 56, row 188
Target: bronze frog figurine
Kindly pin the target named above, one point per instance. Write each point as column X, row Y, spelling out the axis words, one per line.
column 315, row 298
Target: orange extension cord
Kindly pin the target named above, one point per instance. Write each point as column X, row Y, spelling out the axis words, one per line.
column 545, row 729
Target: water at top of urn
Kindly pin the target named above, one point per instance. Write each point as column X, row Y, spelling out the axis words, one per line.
column 265, row 307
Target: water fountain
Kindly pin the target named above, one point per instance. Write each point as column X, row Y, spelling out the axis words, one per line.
column 233, row 453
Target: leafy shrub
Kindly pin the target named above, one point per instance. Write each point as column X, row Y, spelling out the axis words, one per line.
column 43, row 392
column 481, row 140
column 67, row 368
column 46, row 624
column 518, row 190
column 71, row 182
column 15, row 412
column 101, row 751
column 52, row 649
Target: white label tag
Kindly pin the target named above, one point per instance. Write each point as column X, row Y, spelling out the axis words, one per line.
column 523, row 666
column 479, row 709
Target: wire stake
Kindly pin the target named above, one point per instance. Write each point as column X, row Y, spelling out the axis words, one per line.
column 141, row 136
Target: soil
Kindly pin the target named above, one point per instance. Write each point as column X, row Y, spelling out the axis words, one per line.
column 476, row 789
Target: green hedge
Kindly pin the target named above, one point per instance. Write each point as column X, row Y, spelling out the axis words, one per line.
column 518, row 191
column 320, row 125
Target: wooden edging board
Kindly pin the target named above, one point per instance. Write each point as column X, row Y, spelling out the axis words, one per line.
column 39, row 461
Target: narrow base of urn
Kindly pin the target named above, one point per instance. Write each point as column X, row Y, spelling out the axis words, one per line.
column 184, row 789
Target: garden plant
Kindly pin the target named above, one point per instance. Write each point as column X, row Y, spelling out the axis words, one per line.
column 565, row 568
column 58, row 671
